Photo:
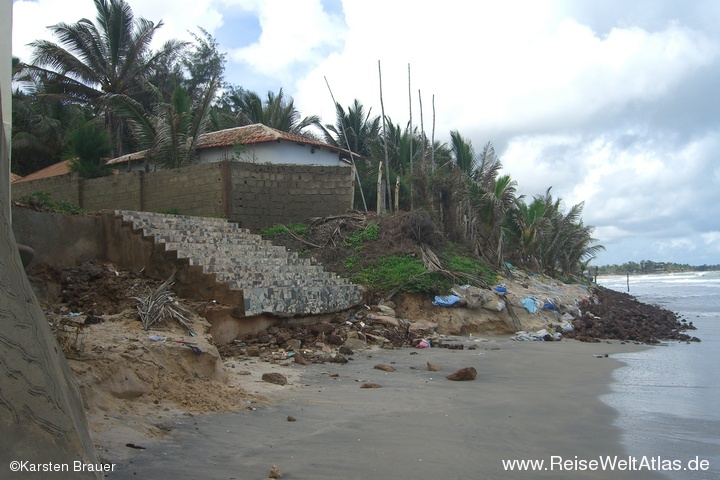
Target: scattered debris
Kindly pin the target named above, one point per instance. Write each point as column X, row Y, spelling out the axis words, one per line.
column 370, row 385
column 161, row 305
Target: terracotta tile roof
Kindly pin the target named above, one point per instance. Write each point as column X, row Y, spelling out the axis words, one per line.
column 247, row 135
column 256, row 133
column 60, row 168
column 130, row 157
column 14, row 178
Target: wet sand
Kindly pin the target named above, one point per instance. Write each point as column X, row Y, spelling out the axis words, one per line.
column 531, row 400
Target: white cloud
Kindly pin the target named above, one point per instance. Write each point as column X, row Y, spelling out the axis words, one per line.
column 493, row 69
column 682, row 244
column 712, row 240
column 301, row 36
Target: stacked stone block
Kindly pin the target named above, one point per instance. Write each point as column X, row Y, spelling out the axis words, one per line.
column 272, row 279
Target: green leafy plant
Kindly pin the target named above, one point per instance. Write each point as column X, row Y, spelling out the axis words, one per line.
column 471, row 266
column 43, row 200
column 352, row 261
column 404, row 273
column 359, row 237
column 171, row 211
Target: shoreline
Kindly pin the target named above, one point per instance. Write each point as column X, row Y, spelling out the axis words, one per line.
column 531, row 400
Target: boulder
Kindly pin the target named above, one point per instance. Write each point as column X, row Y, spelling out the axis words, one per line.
column 355, row 343
column 423, row 328
column 384, row 320
column 464, row 374
column 275, row 377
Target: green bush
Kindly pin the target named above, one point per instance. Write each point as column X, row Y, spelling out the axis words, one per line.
column 402, row 272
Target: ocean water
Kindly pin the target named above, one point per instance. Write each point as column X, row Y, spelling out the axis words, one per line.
column 668, row 397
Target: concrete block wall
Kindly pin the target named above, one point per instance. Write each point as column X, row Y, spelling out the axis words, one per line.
column 63, row 187
column 193, row 190
column 266, row 195
column 253, row 195
column 113, row 192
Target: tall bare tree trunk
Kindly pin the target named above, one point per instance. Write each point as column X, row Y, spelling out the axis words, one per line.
column 422, row 129
column 387, row 161
column 412, row 177
column 379, row 198
column 432, row 139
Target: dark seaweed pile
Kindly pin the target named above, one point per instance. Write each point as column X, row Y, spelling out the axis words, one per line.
column 616, row 315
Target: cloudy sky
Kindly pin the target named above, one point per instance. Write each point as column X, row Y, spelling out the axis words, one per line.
column 614, row 103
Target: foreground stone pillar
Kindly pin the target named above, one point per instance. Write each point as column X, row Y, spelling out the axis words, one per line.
column 42, row 420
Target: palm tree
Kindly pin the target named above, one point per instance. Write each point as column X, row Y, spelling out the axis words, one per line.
column 528, row 226
column 169, row 133
column 547, row 240
column 243, row 107
column 354, row 129
column 95, row 61
column 41, row 125
column 463, row 152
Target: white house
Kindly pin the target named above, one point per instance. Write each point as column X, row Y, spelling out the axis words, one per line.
column 254, row 144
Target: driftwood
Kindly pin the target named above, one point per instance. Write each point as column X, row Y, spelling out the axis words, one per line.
column 434, row 264
column 160, row 305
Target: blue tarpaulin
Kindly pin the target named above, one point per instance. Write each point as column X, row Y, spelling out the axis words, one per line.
column 529, row 304
column 446, row 301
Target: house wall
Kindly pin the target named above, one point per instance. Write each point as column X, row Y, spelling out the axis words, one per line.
column 278, row 153
column 254, row 195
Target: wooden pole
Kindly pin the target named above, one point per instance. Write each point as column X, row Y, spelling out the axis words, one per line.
column 347, row 143
column 432, row 139
column 411, row 147
column 422, row 128
column 628, row 281
column 379, row 197
column 387, row 161
column 397, row 193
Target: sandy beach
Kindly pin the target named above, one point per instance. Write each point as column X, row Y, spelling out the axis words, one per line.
column 530, row 400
